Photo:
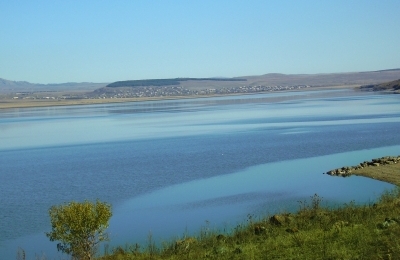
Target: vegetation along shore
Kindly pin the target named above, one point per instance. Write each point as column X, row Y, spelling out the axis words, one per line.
column 315, row 231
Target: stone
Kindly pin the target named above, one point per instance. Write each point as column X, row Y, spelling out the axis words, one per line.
column 258, row 230
column 185, row 243
column 277, row 220
column 280, row 220
column 292, row 230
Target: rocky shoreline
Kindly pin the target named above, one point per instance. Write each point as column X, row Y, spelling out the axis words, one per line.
column 350, row 170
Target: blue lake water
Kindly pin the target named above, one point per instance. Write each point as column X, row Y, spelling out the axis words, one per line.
column 170, row 167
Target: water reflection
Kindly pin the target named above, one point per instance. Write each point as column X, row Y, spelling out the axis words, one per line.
column 216, row 159
column 226, row 200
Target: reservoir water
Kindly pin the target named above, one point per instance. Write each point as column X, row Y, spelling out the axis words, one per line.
column 171, row 167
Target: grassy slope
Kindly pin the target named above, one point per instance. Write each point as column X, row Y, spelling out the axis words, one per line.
column 347, row 232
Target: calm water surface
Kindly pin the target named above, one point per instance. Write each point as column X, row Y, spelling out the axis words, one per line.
column 170, row 167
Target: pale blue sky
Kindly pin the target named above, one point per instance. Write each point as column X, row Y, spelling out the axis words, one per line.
column 105, row 41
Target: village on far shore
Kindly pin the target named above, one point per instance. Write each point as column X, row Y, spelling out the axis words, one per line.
column 14, row 94
column 150, row 91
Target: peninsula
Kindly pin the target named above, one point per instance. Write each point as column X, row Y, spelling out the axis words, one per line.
column 385, row 169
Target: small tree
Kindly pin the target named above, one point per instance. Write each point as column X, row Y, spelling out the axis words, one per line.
column 80, row 227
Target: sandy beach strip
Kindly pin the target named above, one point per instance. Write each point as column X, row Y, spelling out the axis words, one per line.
column 7, row 104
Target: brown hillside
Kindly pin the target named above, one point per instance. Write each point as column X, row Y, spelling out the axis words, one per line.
column 387, row 86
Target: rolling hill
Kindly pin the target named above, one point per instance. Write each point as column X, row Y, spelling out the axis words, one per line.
column 387, row 86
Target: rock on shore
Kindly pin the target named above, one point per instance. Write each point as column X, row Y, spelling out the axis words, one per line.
column 347, row 171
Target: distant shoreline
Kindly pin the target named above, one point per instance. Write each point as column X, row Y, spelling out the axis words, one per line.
column 18, row 103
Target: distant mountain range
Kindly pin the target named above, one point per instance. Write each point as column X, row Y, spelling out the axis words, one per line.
column 272, row 79
column 24, row 86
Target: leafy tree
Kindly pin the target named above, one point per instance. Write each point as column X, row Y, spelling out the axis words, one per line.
column 80, row 227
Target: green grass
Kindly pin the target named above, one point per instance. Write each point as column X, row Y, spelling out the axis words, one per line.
column 314, row 232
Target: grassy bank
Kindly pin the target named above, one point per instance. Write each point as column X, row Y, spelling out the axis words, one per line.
column 314, row 232
column 346, row 232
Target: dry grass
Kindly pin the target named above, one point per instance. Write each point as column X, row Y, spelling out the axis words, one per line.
column 387, row 173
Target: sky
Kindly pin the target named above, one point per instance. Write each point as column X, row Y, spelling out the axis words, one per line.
column 47, row 41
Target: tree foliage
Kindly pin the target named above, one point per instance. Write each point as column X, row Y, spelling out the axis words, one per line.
column 80, row 227
column 163, row 82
